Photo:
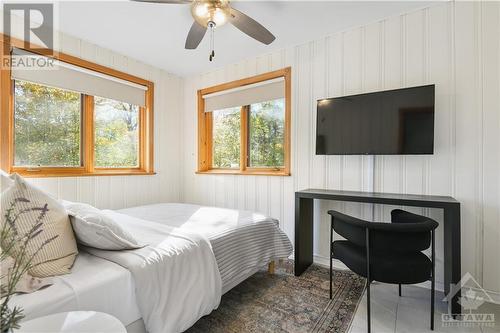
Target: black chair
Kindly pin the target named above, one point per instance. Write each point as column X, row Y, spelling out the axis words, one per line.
column 386, row 252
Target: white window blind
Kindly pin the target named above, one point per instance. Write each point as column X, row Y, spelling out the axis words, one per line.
column 253, row 93
column 82, row 80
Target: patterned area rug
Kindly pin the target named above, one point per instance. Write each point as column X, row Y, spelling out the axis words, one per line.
column 285, row 303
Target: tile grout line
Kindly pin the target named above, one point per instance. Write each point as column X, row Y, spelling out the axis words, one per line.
column 396, row 315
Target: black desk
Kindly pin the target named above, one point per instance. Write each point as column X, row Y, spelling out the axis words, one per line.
column 304, row 210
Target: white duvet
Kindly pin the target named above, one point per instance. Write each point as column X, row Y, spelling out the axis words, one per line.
column 176, row 276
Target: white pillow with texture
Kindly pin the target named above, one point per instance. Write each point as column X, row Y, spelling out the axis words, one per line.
column 95, row 229
column 29, row 206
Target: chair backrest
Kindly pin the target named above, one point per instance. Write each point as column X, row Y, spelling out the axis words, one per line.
column 412, row 235
column 386, row 240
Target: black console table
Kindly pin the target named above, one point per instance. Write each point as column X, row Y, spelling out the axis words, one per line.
column 304, row 210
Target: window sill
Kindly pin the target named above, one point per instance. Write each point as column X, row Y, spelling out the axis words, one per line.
column 41, row 173
column 244, row 173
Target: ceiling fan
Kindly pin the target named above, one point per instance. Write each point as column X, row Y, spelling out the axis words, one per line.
column 209, row 14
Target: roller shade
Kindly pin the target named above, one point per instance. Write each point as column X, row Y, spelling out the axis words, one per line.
column 69, row 77
column 253, row 93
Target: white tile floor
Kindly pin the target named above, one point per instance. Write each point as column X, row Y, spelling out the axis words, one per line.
column 410, row 313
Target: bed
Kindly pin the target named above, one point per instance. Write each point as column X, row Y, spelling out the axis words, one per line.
column 242, row 242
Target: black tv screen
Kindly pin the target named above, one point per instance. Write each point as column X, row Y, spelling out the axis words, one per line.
column 389, row 122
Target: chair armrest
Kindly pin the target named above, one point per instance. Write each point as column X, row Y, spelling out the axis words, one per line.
column 351, row 228
column 424, row 223
column 355, row 222
column 402, row 216
column 400, row 237
column 424, row 226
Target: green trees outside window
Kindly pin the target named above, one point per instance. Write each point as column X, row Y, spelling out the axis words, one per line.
column 266, row 134
column 116, row 134
column 226, row 138
column 47, row 126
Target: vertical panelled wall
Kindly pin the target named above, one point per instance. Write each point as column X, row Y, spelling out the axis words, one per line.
column 452, row 45
column 125, row 191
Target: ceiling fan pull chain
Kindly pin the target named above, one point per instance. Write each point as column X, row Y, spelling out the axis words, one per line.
column 211, row 42
column 213, row 45
column 211, row 25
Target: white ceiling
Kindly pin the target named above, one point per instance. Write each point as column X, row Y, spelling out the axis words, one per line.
column 155, row 33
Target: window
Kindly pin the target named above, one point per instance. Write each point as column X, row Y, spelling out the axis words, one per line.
column 47, row 126
column 226, row 138
column 116, row 134
column 244, row 126
column 58, row 124
column 266, row 134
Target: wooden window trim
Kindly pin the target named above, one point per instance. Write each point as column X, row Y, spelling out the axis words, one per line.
column 205, row 123
column 146, row 116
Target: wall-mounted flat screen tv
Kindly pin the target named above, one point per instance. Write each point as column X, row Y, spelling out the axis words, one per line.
column 388, row 122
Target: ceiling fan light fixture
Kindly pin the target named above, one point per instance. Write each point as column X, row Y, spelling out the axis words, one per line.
column 201, row 10
column 205, row 11
column 219, row 17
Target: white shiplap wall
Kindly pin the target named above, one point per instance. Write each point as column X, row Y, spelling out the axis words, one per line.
column 453, row 45
column 125, row 191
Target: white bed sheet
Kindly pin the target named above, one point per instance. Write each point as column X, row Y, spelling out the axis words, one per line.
column 93, row 284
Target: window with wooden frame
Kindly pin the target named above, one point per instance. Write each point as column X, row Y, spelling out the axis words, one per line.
column 244, row 126
column 76, row 118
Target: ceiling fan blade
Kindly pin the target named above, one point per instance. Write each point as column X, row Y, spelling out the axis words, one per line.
column 251, row 27
column 195, row 35
column 180, row 2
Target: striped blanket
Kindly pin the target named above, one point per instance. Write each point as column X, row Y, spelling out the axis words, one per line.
column 242, row 241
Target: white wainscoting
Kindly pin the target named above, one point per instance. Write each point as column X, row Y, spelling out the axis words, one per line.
column 125, row 191
column 452, row 45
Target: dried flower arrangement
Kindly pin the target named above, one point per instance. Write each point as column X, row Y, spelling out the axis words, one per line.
column 14, row 246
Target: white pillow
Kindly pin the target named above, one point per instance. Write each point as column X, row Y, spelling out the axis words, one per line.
column 29, row 206
column 93, row 228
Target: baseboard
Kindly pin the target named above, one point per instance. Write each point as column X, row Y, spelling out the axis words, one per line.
column 322, row 261
column 493, row 295
column 427, row 285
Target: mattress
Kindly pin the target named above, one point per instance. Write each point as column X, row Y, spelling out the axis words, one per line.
column 93, row 284
column 242, row 241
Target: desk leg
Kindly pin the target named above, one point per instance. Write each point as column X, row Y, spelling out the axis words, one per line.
column 452, row 261
column 304, row 211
